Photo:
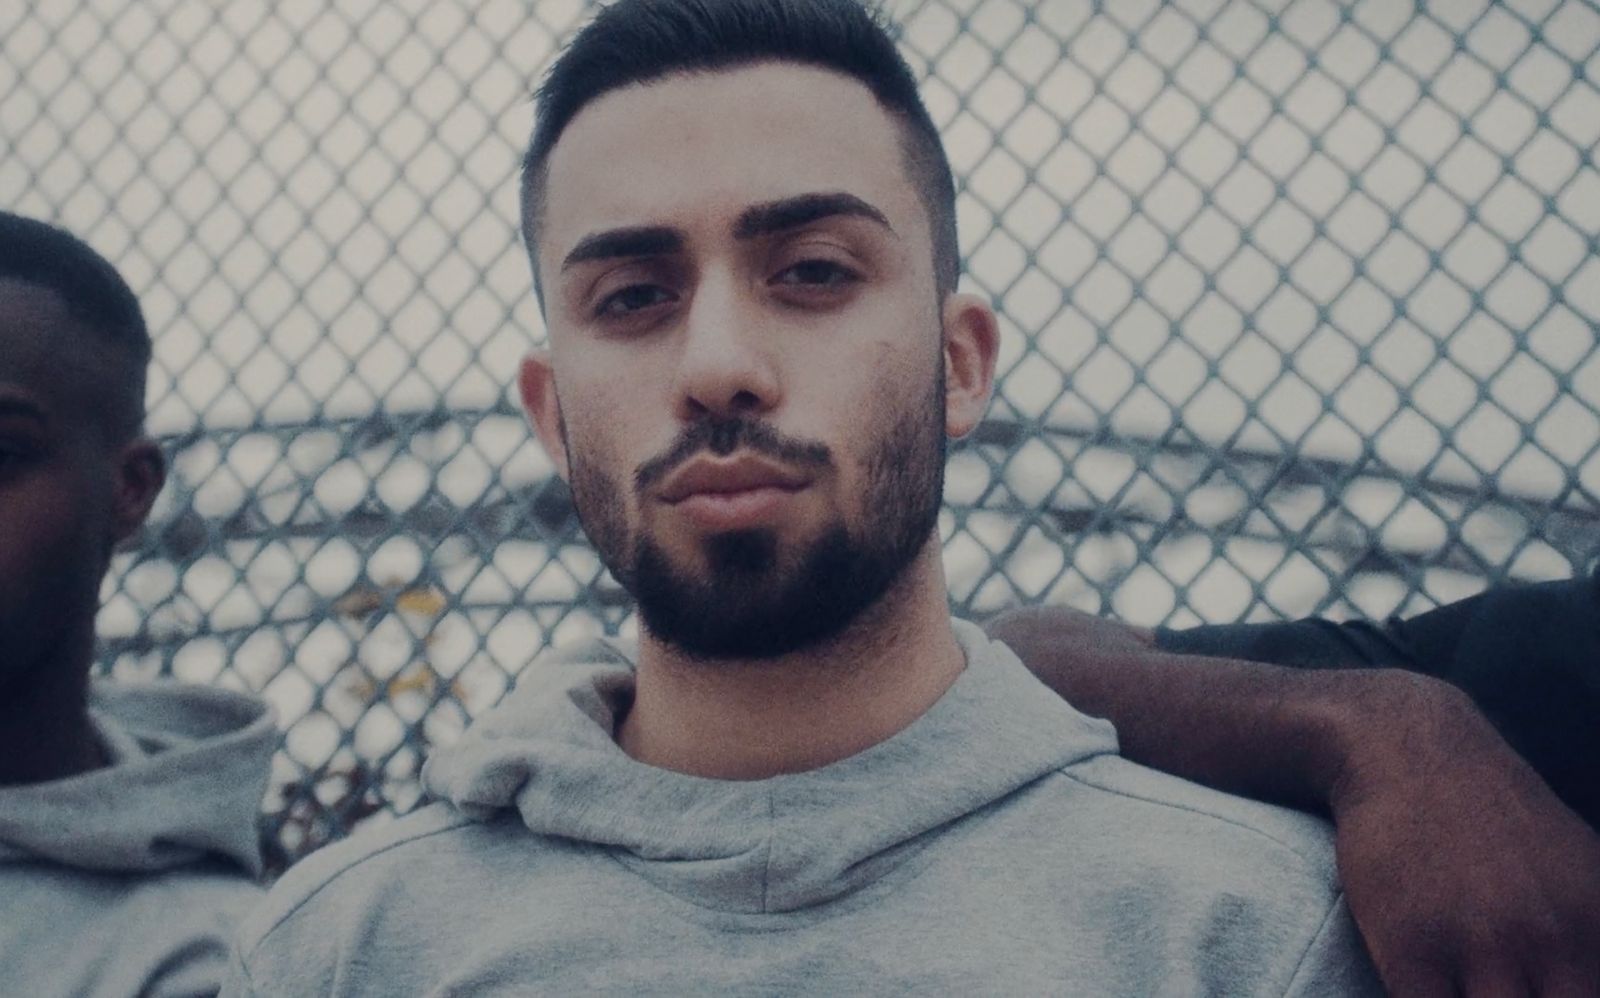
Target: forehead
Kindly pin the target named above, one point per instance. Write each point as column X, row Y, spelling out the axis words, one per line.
column 45, row 354
column 691, row 150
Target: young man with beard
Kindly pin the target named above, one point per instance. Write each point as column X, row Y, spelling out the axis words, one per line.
column 742, row 225
column 128, row 839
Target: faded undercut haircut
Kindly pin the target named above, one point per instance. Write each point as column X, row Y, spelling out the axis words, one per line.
column 90, row 289
column 639, row 41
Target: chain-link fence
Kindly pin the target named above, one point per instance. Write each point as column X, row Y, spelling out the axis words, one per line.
column 1301, row 306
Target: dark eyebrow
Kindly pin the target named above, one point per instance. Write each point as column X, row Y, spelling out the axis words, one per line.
column 791, row 213
column 12, row 406
column 757, row 220
column 653, row 240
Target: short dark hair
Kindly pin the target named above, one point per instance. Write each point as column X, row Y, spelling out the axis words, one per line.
column 88, row 286
column 638, row 41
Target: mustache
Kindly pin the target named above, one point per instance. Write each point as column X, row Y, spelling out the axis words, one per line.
column 722, row 437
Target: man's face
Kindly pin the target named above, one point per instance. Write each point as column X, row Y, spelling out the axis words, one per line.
column 746, row 345
column 58, row 479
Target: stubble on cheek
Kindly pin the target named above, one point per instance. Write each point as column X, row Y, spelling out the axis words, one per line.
column 600, row 501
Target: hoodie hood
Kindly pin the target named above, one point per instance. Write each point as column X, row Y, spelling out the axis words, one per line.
column 547, row 754
column 189, row 766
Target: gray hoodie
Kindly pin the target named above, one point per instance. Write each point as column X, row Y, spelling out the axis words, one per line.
column 997, row 845
column 128, row 880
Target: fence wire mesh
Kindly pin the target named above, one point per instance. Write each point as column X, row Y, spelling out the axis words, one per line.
column 1300, row 300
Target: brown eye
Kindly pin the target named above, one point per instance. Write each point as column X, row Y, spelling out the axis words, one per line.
column 633, row 298
column 817, row 273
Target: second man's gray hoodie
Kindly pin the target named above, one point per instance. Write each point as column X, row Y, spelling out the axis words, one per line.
column 129, row 880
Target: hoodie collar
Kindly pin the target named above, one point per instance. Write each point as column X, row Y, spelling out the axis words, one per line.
column 188, row 767
column 770, row 845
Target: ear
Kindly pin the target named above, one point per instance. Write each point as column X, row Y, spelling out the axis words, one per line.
column 140, row 472
column 536, row 381
column 971, row 344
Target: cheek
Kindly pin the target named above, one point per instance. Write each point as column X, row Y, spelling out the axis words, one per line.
column 604, row 438
column 591, row 431
column 609, row 402
column 890, row 414
column 48, row 550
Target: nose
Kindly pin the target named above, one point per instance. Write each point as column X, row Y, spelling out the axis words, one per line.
column 726, row 367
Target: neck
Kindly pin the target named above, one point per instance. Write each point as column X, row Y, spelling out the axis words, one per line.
column 45, row 731
column 748, row 720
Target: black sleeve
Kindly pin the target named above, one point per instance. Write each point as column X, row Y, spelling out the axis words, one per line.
column 1529, row 656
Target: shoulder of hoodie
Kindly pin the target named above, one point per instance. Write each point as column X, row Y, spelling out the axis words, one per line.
column 341, row 864
column 348, row 861
column 1302, row 840
column 1307, row 838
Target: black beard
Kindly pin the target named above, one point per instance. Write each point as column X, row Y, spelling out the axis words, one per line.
column 754, row 603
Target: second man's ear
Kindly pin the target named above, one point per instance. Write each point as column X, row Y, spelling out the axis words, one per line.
column 971, row 345
column 536, row 381
column 140, row 472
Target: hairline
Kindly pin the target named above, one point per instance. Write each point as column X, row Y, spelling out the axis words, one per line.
column 129, row 382
column 910, row 141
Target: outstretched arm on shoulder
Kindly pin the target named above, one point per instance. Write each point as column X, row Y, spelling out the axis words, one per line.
column 1465, row 873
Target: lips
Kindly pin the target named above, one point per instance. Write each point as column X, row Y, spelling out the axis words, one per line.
column 730, row 476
